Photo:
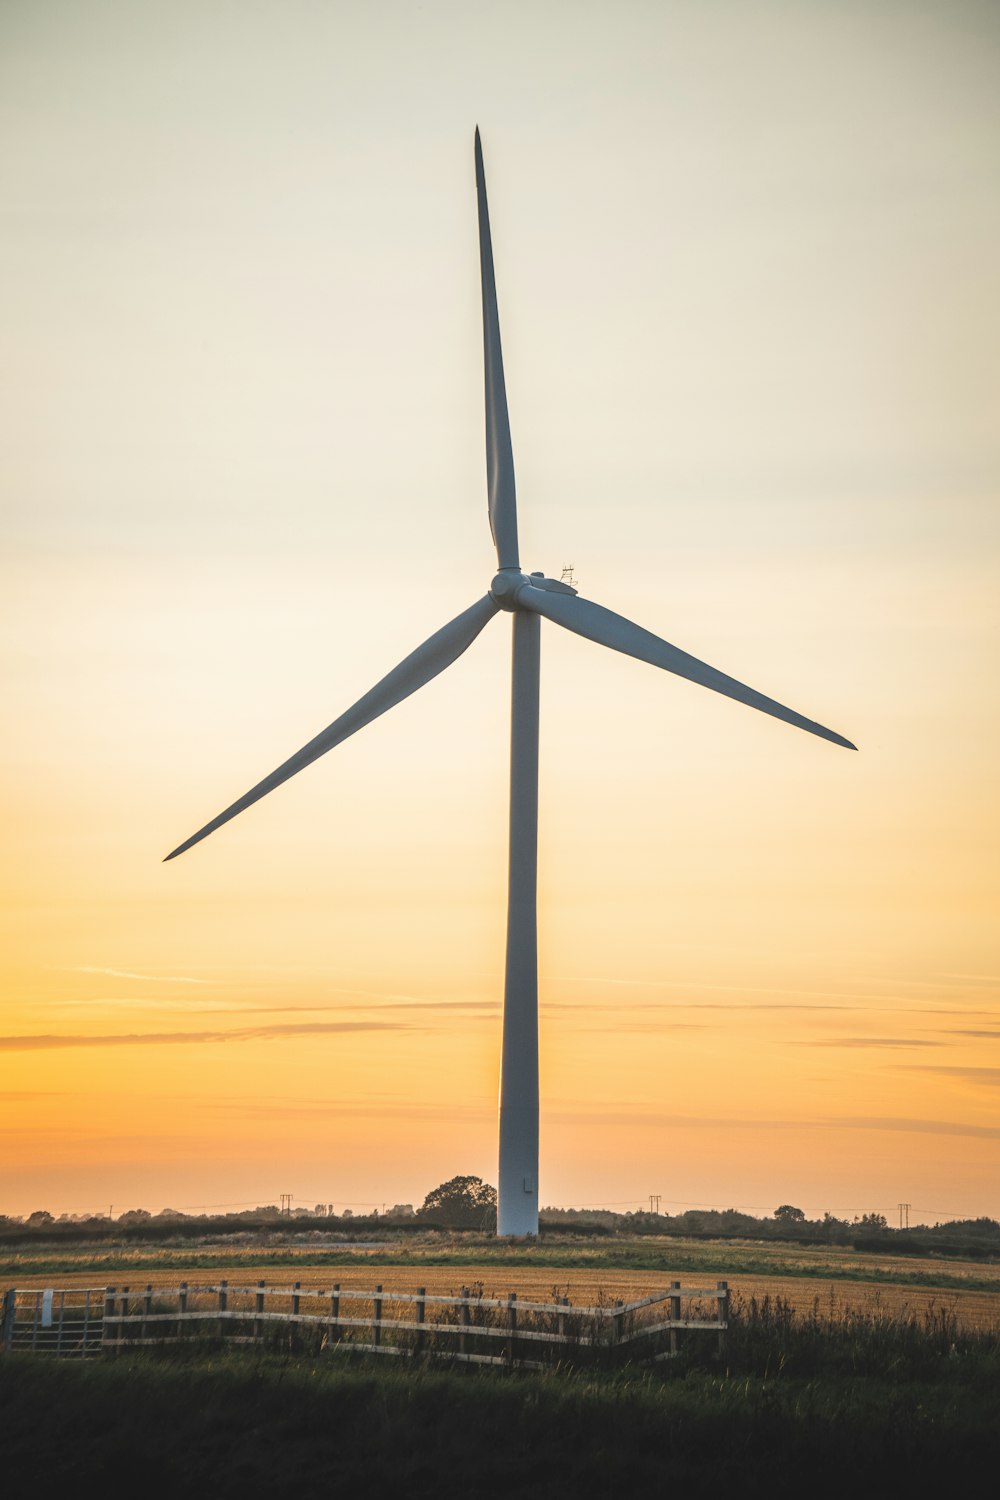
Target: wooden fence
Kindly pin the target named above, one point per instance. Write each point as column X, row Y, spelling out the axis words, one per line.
column 470, row 1327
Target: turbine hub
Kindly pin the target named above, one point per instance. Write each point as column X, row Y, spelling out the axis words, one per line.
column 507, row 585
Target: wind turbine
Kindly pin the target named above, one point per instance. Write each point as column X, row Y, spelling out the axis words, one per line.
column 528, row 598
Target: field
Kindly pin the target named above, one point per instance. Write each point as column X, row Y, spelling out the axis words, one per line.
column 841, row 1373
column 840, row 1279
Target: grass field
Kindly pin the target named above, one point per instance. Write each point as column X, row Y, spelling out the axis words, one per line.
column 841, row 1374
column 251, row 1425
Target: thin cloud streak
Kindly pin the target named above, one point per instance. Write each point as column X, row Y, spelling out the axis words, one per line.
column 923, row 1127
column 322, row 1109
column 752, row 1005
column 151, row 978
column 989, row 1077
column 617, row 1026
column 871, row 1041
column 715, row 989
column 49, row 1041
column 863, row 1005
column 201, row 1008
column 891, row 1124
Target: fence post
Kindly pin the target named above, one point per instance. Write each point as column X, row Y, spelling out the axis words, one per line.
column 512, row 1305
column 421, row 1312
column 561, row 1320
column 723, row 1313
column 107, row 1332
column 9, row 1317
column 62, row 1316
column 335, row 1313
column 377, row 1316
column 123, row 1330
column 258, row 1322
column 223, row 1304
column 466, row 1319
column 86, row 1324
column 182, row 1306
column 618, row 1322
column 293, row 1330
column 147, row 1305
column 675, row 1314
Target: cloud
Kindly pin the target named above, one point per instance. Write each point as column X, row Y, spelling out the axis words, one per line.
column 376, row 1109
column 872, row 1041
column 992, row 1035
column 279, row 1008
column 151, row 978
column 645, row 1116
column 30, row 1096
column 618, row 1025
column 728, row 1006
column 922, row 1127
column 988, row 1077
column 51, row 1040
column 726, row 989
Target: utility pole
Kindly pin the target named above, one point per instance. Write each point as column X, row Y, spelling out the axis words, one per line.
column 654, row 1198
column 286, row 1205
column 904, row 1213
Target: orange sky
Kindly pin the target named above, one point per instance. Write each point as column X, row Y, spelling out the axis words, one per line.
column 750, row 323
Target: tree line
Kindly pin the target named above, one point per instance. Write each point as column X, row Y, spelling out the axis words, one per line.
column 467, row 1203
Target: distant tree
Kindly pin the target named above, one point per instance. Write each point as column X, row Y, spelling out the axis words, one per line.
column 135, row 1216
column 787, row 1213
column 872, row 1222
column 40, row 1219
column 462, row 1203
column 834, row 1228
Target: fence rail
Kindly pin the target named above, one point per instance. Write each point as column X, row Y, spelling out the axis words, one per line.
column 80, row 1322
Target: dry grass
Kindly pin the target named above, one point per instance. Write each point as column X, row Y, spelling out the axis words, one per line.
column 972, row 1309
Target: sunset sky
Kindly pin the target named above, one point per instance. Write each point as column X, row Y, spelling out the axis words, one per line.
column 748, row 262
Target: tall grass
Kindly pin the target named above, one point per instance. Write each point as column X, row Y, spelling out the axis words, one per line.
column 249, row 1423
column 767, row 1336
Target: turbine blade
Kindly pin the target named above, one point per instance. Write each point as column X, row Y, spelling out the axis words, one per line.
column 436, row 653
column 608, row 629
column 499, row 455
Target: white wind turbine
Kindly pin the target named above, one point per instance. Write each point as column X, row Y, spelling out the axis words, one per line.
column 527, row 597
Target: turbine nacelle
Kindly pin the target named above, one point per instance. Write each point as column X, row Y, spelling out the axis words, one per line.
column 510, row 583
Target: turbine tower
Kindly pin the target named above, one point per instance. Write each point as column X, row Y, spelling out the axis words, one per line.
column 528, row 598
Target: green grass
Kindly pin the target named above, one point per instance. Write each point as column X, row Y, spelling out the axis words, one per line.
column 821, row 1404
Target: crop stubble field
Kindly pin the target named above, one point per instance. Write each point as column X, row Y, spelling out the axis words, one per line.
column 838, row 1279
